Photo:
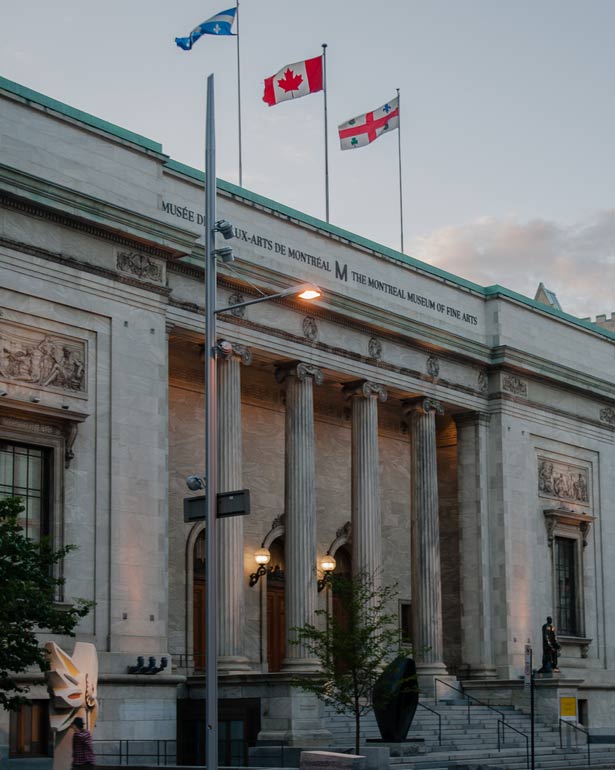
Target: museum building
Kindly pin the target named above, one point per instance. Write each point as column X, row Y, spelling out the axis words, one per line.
column 456, row 439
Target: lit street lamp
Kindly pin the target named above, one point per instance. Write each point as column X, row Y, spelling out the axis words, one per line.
column 304, row 291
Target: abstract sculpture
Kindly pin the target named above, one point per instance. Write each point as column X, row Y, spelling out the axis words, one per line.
column 395, row 698
column 72, row 682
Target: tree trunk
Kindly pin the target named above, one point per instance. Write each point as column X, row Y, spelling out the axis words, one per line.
column 357, row 725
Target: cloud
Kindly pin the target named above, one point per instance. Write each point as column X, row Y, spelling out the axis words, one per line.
column 576, row 261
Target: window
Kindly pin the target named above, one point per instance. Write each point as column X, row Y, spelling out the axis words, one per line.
column 29, row 730
column 566, row 586
column 405, row 622
column 25, row 473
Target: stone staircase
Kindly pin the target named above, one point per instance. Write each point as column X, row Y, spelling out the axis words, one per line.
column 475, row 743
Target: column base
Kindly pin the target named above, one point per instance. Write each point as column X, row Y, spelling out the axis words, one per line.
column 300, row 665
column 233, row 664
column 426, row 674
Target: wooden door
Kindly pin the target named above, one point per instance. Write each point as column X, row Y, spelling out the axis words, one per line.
column 276, row 626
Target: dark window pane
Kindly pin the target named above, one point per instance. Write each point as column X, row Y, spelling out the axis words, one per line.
column 566, row 586
column 25, row 473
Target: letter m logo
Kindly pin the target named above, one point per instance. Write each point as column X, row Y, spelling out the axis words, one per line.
column 341, row 271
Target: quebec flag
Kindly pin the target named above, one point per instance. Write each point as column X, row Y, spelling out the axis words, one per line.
column 220, row 24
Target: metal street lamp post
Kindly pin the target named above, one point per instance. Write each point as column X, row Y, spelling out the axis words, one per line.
column 305, row 291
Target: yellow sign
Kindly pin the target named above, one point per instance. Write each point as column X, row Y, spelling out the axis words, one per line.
column 568, row 707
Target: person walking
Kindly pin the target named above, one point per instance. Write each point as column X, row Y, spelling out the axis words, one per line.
column 83, row 751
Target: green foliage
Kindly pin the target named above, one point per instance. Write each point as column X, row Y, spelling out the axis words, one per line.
column 27, row 605
column 352, row 647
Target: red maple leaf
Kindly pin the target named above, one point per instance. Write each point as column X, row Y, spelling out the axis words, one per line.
column 290, row 81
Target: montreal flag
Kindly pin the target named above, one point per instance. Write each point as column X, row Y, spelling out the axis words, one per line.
column 294, row 80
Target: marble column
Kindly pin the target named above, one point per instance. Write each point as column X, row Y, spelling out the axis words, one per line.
column 300, row 507
column 425, row 539
column 475, row 545
column 231, row 582
column 366, row 519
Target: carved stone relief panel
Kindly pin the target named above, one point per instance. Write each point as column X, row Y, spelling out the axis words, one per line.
column 608, row 415
column 374, row 348
column 140, row 266
column 310, row 329
column 433, row 366
column 563, row 481
column 43, row 359
column 514, row 385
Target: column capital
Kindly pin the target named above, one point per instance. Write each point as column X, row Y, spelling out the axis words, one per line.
column 365, row 389
column 228, row 350
column 423, row 405
column 300, row 370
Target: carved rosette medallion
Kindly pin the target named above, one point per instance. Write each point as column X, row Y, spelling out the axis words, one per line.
column 374, row 348
column 310, row 329
column 237, row 299
column 514, row 385
column 433, row 367
column 365, row 389
column 608, row 415
column 140, row 265
column 562, row 481
column 43, row 359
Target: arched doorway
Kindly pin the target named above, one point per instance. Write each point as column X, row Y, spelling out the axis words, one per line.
column 276, row 614
column 198, row 602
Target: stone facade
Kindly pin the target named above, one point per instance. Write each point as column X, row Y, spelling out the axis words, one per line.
column 412, row 422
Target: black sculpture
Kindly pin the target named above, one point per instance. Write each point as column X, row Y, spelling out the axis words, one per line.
column 395, row 697
column 550, row 648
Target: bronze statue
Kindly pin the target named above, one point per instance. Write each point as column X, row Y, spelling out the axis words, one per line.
column 550, row 647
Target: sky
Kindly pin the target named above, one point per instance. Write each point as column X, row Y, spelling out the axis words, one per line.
column 507, row 117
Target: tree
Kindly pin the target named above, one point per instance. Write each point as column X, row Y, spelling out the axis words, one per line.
column 352, row 648
column 29, row 591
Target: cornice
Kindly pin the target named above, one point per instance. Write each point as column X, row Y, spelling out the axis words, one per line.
column 98, row 213
column 86, row 267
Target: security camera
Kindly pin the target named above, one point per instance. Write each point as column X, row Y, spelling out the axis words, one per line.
column 194, row 483
column 225, row 229
column 225, row 347
column 225, row 254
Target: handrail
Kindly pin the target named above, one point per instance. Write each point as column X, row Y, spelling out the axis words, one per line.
column 581, row 730
column 522, row 734
column 433, row 711
column 124, row 754
column 465, row 695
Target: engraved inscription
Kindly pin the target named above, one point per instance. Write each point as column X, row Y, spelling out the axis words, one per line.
column 562, row 481
column 47, row 360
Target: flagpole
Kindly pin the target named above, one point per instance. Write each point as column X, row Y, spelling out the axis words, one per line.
column 239, row 96
column 401, row 200
column 324, row 83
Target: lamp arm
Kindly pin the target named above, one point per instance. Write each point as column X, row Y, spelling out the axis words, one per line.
column 250, row 302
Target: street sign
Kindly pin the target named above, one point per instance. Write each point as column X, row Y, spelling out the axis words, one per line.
column 527, row 671
column 236, row 503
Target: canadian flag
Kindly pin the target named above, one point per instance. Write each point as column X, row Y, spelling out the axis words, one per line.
column 293, row 81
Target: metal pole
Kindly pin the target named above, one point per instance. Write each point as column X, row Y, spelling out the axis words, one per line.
column 239, row 96
column 401, row 200
column 211, row 567
column 532, row 709
column 324, row 85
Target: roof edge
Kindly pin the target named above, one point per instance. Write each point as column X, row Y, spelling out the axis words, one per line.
column 83, row 117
